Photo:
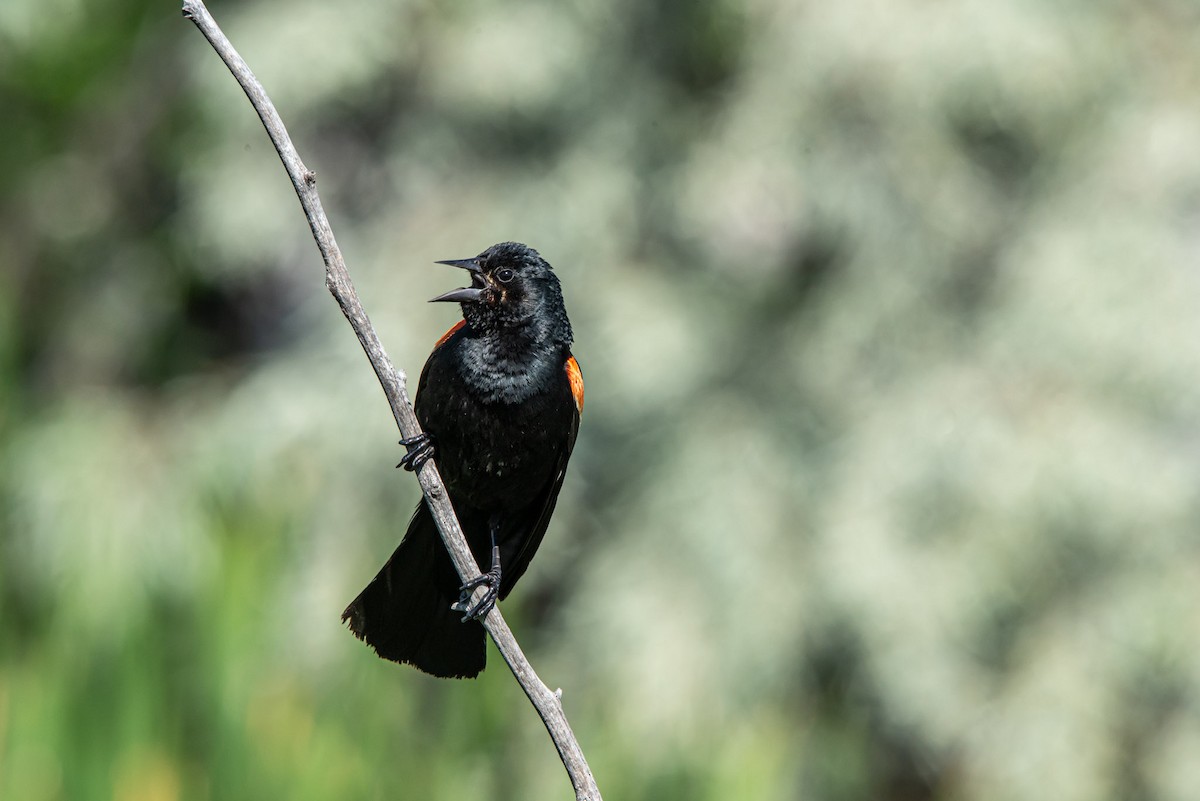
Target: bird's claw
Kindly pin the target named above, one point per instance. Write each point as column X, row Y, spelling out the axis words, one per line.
column 478, row 611
column 420, row 451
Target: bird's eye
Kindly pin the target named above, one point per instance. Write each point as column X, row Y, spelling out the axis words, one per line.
column 505, row 275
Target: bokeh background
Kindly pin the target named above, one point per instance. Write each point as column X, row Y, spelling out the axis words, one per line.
column 887, row 486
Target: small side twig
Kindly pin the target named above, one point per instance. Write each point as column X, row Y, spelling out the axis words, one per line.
column 394, row 383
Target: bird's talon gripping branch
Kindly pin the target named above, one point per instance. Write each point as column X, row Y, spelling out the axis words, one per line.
column 420, row 451
column 480, row 610
column 491, row 580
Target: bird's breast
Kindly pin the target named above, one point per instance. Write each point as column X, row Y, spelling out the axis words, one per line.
column 498, row 430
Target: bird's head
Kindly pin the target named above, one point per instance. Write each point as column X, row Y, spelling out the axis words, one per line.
column 513, row 291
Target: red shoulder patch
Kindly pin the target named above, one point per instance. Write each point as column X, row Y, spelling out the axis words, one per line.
column 576, row 378
column 449, row 334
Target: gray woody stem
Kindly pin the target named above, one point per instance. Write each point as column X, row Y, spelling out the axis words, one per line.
column 393, row 381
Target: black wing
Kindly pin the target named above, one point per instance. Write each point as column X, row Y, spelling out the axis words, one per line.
column 530, row 526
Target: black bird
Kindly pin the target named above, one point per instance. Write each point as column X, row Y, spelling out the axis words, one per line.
column 499, row 401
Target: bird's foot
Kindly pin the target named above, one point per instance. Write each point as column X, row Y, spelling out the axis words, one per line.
column 420, row 451
column 491, row 580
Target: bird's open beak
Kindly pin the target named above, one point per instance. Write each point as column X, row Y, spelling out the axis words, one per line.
column 471, row 294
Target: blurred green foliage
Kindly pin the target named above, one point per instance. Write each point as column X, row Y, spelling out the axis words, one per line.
column 887, row 486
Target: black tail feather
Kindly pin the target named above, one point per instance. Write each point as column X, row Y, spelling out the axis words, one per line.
column 405, row 614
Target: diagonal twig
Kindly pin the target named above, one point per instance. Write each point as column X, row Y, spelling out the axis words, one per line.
column 394, row 382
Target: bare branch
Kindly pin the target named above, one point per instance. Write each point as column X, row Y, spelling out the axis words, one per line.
column 394, row 383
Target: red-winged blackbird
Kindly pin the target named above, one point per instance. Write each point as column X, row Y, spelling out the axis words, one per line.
column 499, row 401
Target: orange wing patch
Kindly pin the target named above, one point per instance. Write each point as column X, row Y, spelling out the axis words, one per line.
column 449, row 334
column 576, row 378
